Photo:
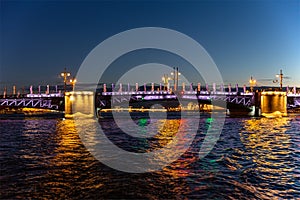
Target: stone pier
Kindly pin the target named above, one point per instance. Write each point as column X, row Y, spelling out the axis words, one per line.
column 273, row 102
column 81, row 102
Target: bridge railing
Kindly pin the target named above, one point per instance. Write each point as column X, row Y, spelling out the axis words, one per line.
column 172, row 93
column 45, row 95
column 293, row 95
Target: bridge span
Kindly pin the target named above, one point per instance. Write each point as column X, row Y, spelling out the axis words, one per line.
column 42, row 101
column 107, row 99
column 168, row 99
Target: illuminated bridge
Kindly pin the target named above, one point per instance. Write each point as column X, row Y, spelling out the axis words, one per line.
column 233, row 100
column 170, row 99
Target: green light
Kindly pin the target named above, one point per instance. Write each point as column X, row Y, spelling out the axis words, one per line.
column 143, row 122
column 209, row 120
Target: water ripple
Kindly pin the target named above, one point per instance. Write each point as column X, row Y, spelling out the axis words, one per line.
column 254, row 158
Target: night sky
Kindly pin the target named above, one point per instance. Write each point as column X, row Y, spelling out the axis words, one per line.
column 244, row 38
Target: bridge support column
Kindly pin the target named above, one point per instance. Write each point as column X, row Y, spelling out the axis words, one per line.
column 257, row 104
column 273, row 103
column 68, row 103
column 80, row 103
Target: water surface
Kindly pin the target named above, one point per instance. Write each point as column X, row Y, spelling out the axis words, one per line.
column 253, row 158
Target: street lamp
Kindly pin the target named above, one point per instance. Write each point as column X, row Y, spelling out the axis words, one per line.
column 280, row 76
column 65, row 74
column 165, row 80
column 73, row 81
column 175, row 75
column 252, row 83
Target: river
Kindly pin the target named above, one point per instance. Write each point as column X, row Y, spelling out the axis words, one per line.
column 254, row 158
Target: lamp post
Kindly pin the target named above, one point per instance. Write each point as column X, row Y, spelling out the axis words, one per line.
column 175, row 75
column 65, row 74
column 73, row 82
column 280, row 76
column 4, row 93
column 252, row 83
column 165, row 80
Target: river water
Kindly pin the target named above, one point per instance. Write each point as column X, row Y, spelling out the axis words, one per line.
column 254, row 158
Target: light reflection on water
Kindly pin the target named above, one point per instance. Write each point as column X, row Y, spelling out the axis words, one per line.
column 254, row 158
column 269, row 146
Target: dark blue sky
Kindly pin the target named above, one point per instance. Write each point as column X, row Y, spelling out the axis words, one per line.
column 244, row 38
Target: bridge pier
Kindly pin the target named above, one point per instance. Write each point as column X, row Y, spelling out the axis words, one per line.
column 80, row 103
column 257, row 110
column 273, row 102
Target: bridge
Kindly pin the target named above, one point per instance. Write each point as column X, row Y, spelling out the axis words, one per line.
column 106, row 99
column 237, row 98
column 147, row 97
